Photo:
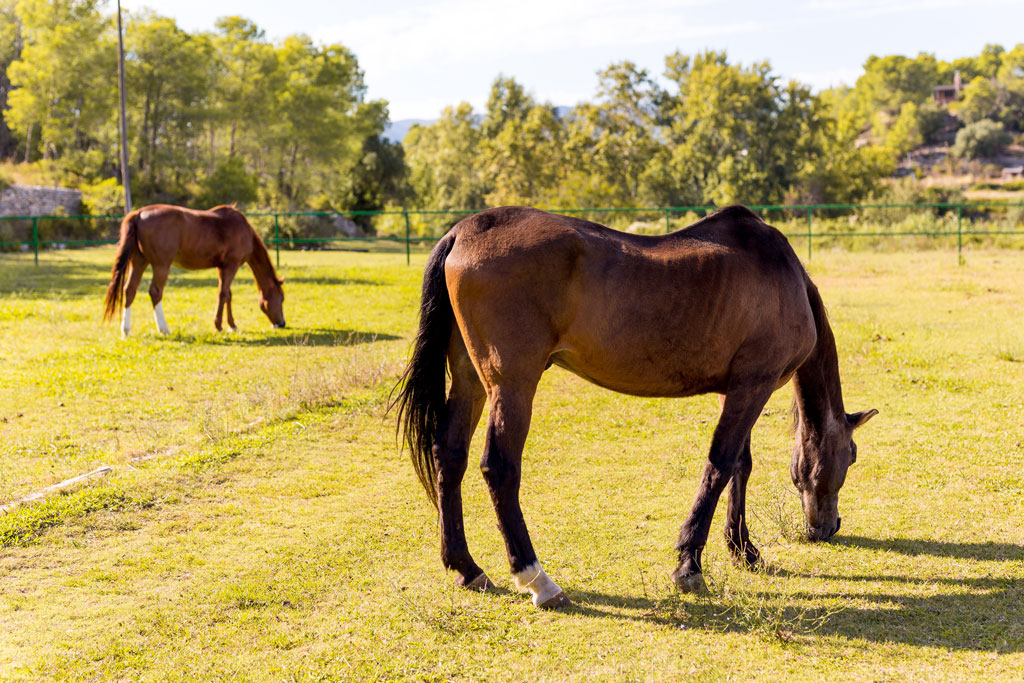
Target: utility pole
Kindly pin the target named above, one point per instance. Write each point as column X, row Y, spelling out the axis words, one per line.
column 125, row 178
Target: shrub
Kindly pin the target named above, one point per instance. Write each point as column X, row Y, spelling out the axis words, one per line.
column 984, row 138
column 230, row 183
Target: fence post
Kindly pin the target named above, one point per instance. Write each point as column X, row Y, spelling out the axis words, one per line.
column 407, row 233
column 277, row 241
column 35, row 237
column 810, row 211
column 959, row 234
column 668, row 226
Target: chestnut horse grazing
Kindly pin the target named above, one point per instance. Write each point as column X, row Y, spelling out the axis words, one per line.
column 220, row 238
column 722, row 306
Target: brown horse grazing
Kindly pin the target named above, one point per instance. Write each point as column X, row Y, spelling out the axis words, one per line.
column 722, row 306
column 220, row 238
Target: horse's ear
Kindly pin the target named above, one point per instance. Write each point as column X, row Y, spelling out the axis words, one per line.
column 857, row 419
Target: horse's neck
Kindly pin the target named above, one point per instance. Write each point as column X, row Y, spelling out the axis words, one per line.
column 262, row 269
column 819, row 395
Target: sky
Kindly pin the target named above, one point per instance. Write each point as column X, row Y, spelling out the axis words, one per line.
column 422, row 55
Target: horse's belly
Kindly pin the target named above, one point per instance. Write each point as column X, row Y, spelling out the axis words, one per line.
column 643, row 373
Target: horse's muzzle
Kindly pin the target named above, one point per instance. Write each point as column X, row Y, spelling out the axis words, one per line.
column 279, row 326
column 824, row 533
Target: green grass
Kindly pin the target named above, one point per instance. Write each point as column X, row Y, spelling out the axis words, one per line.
column 259, row 523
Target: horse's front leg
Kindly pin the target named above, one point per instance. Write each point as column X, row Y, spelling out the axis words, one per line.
column 737, row 536
column 225, row 275
column 451, row 454
column 743, row 404
column 507, row 426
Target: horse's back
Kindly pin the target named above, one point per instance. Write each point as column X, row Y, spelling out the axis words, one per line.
column 664, row 315
column 194, row 239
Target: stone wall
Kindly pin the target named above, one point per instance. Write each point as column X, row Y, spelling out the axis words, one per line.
column 33, row 200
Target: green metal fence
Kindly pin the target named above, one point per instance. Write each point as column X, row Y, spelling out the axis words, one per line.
column 404, row 229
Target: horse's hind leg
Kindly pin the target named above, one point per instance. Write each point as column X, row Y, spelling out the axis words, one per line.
column 225, row 275
column 451, row 453
column 131, row 286
column 737, row 536
column 156, row 295
column 742, row 407
column 507, row 426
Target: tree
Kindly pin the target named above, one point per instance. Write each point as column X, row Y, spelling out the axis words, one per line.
column 320, row 122
column 980, row 100
column 520, row 142
column 10, row 50
column 61, row 80
column 613, row 141
column 734, row 133
column 889, row 82
column 905, row 133
column 247, row 77
column 169, row 79
column 983, row 138
column 445, row 162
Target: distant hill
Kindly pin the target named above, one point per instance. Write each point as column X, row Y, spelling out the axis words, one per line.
column 396, row 130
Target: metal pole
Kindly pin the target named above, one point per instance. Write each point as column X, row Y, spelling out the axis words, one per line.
column 668, row 226
column 809, row 213
column 277, row 241
column 959, row 234
column 408, row 257
column 125, row 178
column 35, row 237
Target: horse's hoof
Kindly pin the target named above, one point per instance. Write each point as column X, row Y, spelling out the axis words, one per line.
column 556, row 601
column 480, row 583
column 690, row 583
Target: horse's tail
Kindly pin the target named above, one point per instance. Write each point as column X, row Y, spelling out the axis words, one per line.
column 421, row 391
column 125, row 248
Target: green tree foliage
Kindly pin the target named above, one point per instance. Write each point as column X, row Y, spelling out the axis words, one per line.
column 889, row 82
column 734, row 133
column 905, row 133
column 170, row 80
column 983, row 138
column 62, row 90
column 230, row 183
column 445, row 164
column 980, row 100
column 10, row 50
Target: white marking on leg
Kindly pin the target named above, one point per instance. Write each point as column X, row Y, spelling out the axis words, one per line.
column 126, row 321
column 161, row 322
column 534, row 580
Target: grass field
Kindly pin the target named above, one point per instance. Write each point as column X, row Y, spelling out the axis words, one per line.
column 259, row 523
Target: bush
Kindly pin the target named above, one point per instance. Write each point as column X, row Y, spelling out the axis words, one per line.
column 230, row 183
column 105, row 198
column 984, row 138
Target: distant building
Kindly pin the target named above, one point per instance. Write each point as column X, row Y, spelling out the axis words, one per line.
column 1013, row 173
column 944, row 94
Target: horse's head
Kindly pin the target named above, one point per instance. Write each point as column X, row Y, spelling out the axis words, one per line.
column 818, row 469
column 272, row 303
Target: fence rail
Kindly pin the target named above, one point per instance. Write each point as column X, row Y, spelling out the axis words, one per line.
column 396, row 226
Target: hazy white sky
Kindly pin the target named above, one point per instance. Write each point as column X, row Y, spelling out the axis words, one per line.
column 421, row 55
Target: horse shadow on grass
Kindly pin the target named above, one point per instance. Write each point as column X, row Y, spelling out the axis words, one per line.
column 298, row 338
column 984, row 614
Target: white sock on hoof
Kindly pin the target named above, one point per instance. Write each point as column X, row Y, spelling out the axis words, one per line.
column 534, row 580
column 126, row 321
column 161, row 322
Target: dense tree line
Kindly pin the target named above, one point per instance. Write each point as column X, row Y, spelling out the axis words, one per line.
column 228, row 115
column 213, row 116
